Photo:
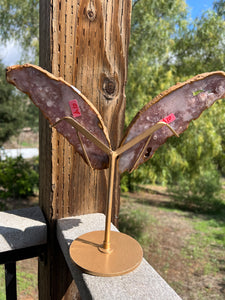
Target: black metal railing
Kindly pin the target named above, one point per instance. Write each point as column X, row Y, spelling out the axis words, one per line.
column 9, row 259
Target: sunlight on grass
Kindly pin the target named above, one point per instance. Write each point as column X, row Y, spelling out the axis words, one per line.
column 26, row 282
column 214, row 228
column 207, row 244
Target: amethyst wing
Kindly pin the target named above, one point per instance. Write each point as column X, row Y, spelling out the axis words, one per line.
column 179, row 104
column 58, row 99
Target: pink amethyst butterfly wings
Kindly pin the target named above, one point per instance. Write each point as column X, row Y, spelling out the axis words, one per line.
column 176, row 106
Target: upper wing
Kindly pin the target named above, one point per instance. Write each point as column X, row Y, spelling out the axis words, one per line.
column 58, row 99
column 178, row 106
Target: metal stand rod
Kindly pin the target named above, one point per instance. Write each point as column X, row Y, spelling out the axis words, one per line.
column 112, row 165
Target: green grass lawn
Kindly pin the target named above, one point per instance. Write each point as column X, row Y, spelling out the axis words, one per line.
column 185, row 247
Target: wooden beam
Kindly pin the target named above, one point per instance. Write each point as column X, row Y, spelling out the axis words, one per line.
column 86, row 43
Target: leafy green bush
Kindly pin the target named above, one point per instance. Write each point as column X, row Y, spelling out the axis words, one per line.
column 18, row 177
column 200, row 192
column 134, row 223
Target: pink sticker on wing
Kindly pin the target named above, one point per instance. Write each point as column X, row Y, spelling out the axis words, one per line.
column 74, row 108
column 168, row 119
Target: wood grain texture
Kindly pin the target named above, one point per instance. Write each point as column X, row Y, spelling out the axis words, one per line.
column 86, row 43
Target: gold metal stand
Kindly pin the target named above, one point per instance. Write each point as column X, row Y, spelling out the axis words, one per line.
column 87, row 252
column 108, row 253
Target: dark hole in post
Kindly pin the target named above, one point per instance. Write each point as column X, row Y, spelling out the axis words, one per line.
column 109, row 86
column 91, row 15
column 147, row 153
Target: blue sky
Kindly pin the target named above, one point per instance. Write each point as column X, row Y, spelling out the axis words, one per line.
column 11, row 53
column 197, row 6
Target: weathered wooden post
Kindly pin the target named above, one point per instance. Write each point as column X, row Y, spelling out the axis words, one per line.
column 86, row 43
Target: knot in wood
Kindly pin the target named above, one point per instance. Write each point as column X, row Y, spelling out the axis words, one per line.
column 109, row 86
column 91, row 14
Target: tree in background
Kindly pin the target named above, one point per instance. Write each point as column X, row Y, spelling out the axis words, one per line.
column 16, row 112
column 219, row 7
column 11, row 109
column 167, row 47
column 20, row 22
column 154, row 26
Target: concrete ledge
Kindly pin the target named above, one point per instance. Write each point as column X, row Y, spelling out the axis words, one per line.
column 143, row 283
column 22, row 228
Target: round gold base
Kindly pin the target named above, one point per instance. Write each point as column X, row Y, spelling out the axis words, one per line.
column 125, row 255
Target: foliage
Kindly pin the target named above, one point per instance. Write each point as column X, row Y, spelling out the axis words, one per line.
column 134, row 222
column 20, row 21
column 192, row 164
column 11, row 109
column 196, row 177
column 16, row 111
column 200, row 193
column 154, row 26
column 219, row 7
column 200, row 48
column 18, row 178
